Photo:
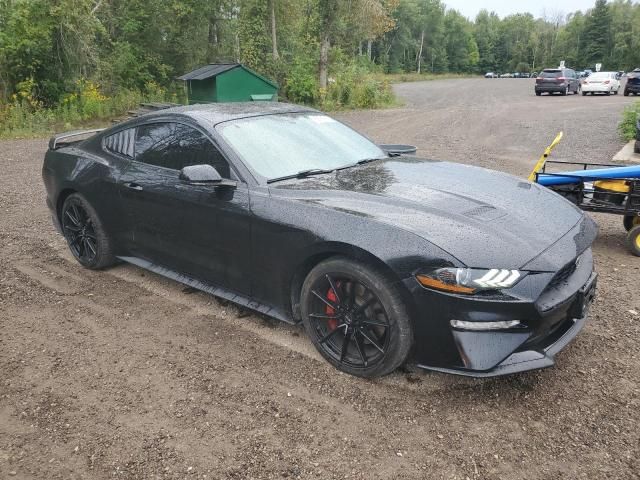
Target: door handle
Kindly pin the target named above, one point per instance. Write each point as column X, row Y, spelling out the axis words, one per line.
column 134, row 186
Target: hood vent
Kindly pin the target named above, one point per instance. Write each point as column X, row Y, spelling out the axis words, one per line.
column 484, row 212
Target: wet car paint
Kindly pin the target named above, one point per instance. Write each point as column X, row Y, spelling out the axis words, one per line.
column 254, row 244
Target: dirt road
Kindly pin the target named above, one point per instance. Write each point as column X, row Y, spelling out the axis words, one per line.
column 122, row 374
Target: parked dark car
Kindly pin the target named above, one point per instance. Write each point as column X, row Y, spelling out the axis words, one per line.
column 633, row 83
column 557, row 80
column 384, row 258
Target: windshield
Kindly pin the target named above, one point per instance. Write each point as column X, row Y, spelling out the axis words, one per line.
column 279, row 145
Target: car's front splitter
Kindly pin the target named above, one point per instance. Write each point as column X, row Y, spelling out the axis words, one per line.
column 525, row 360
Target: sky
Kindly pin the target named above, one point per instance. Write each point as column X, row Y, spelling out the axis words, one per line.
column 470, row 8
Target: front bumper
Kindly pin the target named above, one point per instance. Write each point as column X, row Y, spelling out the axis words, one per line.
column 552, row 317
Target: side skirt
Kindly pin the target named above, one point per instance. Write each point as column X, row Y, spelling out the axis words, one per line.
column 211, row 289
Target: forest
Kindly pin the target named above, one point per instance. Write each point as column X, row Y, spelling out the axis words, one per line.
column 89, row 58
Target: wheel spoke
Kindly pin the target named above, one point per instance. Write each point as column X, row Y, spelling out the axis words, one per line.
column 360, row 347
column 73, row 228
column 330, row 304
column 324, row 317
column 331, row 333
column 374, row 324
column 371, row 341
column 91, row 247
column 73, row 219
column 333, row 287
column 345, row 345
column 76, row 212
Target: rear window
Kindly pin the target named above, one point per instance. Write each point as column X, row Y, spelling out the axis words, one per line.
column 551, row 74
column 600, row 75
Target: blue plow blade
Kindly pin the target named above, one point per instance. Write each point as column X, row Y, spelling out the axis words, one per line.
column 579, row 176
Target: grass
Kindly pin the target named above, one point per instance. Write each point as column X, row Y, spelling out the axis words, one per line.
column 627, row 126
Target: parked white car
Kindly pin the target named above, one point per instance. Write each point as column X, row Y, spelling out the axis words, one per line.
column 601, row 82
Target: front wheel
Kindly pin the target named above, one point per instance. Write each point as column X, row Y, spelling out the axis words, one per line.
column 633, row 241
column 84, row 233
column 356, row 317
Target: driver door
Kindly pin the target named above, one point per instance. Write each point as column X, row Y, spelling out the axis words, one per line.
column 198, row 230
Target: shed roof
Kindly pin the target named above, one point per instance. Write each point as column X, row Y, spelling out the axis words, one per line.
column 208, row 71
column 215, row 69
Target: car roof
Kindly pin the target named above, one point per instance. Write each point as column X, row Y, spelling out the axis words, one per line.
column 215, row 113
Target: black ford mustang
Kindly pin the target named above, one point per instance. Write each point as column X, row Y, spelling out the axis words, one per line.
column 384, row 258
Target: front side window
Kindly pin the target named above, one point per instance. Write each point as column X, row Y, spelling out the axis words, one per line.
column 175, row 146
column 275, row 146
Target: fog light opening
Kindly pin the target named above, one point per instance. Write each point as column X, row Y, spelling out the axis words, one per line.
column 484, row 326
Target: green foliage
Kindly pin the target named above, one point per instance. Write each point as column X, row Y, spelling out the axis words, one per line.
column 627, row 127
column 52, row 51
column 87, row 103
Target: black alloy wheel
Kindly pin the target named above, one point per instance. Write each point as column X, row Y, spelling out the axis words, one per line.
column 355, row 319
column 84, row 233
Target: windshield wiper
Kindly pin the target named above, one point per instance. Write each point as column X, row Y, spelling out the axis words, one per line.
column 302, row 174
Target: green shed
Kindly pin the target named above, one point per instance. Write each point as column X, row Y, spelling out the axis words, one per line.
column 228, row 82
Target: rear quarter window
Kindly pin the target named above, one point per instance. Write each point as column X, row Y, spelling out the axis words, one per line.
column 121, row 143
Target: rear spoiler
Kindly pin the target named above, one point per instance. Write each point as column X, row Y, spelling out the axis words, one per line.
column 59, row 140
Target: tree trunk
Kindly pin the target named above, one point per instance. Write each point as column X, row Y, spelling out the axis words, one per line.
column 369, row 44
column 420, row 52
column 325, row 44
column 274, row 31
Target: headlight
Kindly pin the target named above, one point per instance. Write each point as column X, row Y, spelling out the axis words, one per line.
column 469, row 280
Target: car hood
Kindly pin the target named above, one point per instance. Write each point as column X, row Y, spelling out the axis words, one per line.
column 484, row 218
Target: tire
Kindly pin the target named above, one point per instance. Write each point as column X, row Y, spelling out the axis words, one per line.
column 85, row 234
column 616, row 92
column 631, row 221
column 565, row 91
column 538, row 93
column 633, row 241
column 584, row 94
column 626, row 93
column 608, row 93
column 340, row 292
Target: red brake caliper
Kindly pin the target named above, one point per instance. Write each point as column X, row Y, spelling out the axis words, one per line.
column 331, row 296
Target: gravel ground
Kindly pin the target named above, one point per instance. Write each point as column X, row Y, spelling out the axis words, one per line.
column 123, row 374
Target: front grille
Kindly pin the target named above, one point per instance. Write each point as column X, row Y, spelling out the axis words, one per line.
column 563, row 275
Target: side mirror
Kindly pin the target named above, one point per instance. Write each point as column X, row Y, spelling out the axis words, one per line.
column 397, row 150
column 204, row 175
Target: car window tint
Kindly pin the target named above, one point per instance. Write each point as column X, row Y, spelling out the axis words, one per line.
column 175, row 146
column 121, row 143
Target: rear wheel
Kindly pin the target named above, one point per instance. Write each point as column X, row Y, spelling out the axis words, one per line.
column 584, row 94
column 538, row 93
column 626, row 93
column 85, row 234
column 356, row 318
column 565, row 91
column 633, row 241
